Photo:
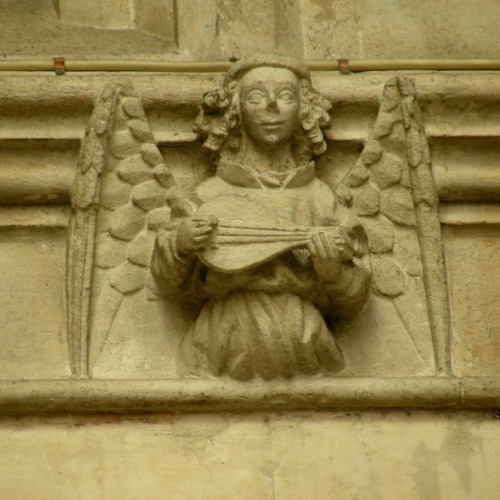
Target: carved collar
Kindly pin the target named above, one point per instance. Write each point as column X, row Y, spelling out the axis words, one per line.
column 240, row 175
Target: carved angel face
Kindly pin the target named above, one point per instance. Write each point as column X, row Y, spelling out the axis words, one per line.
column 270, row 104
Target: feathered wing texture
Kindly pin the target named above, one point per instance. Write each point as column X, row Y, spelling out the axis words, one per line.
column 80, row 249
column 391, row 190
column 131, row 194
column 120, row 202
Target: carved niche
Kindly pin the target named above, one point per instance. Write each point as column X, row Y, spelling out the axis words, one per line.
column 263, row 270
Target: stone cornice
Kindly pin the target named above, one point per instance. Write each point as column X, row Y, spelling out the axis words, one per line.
column 156, row 396
column 44, row 116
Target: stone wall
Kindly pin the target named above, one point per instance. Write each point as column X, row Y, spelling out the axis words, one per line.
column 385, row 429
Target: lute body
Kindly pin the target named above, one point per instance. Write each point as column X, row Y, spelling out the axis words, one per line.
column 249, row 234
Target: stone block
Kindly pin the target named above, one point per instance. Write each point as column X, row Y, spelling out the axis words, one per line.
column 156, row 17
column 253, row 456
column 32, row 315
column 109, row 14
column 473, row 263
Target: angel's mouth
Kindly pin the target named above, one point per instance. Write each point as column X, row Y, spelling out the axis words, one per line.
column 272, row 124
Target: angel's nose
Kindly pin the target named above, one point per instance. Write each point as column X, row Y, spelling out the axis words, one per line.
column 272, row 105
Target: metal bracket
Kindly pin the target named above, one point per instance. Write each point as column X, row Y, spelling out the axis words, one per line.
column 59, row 65
column 344, row 68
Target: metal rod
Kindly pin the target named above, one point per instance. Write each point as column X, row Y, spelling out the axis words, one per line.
column 355, row 65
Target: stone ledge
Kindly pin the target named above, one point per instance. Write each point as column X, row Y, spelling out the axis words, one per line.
column 156, row 396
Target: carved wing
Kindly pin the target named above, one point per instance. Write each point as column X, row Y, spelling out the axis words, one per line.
column 128, row 185
column 392, row 191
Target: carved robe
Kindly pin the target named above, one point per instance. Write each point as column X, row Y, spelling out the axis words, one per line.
column 266, row 321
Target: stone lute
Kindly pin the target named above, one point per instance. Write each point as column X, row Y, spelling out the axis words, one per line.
column 248, row 234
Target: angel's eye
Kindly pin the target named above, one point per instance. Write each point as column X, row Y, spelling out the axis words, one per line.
column 286, row 96
column 255, row 97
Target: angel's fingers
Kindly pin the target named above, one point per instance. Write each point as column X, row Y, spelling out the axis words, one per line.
column 328, row 244
column 201, row 238
column 199, row 246
column 202, row 230
column 334, row 248
column 320, row 249
column 312, row 249
column 210, row 220
column 338, row 238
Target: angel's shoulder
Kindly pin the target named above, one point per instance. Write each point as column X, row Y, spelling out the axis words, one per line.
column 320, row 185
column 322, row 191
column 210, row 188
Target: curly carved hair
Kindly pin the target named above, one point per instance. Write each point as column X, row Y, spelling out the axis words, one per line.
column 219, row 121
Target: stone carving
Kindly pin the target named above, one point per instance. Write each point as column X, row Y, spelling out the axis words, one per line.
column 268, row 248
column 267, row 255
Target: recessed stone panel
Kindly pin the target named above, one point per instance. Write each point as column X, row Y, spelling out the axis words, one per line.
column 32, row 317
column 473, row 266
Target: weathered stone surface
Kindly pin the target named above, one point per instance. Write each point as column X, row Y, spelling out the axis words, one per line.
column 388, row 277
column 112, row 15
column 366, row 200
column 473, row 265
column 344, row 194
column 42, row 121
column 85, row 189
column 134, row 170
column 217, row 455
column 151, row 154
column 148, row 195
column 413, row 37
column 385, row 124
column 132, row 107
column 32, row 318
column 388, row 171
column 357, row 176
column 123, row 144
column 139, row 251
column 109, row 251
column 371, row 152
column 114, row 193
column 158, row 218
column 380, row 232
column 140, row 130
column 240, row 224
column 397, row 204
column 405, row 178
column 127, row 277
column 163, row 175
column 126, row 222
column 407, row 250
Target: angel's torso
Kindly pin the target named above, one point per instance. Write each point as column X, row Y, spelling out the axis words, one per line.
column 294, row 198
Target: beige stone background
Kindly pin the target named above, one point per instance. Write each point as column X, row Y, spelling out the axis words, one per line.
column 306, row 454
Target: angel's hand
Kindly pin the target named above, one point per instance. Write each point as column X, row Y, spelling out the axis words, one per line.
column 325, row 256
column 343, row 242
column 193, row 233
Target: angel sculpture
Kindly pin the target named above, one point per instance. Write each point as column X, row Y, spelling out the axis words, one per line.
column 267, row 254
column 262, row 300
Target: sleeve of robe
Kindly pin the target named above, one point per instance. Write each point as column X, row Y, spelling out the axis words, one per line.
column 348, row 294
column 178, row 276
